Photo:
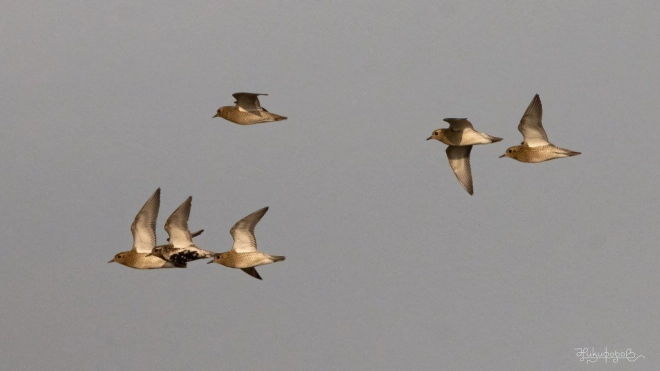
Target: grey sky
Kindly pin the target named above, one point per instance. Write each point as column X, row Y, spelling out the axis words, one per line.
column 390, row 264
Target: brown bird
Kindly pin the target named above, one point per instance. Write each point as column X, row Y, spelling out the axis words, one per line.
column 460, row 137
column 247, row 110
column 144, row 238
column 181, row 248
column 535, row 146
column 244, row 254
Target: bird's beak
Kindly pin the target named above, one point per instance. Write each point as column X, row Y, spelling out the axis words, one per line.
column 210, row 261
column 429, row 138
column 216, row 115
column 111, row 261
column 502, row 156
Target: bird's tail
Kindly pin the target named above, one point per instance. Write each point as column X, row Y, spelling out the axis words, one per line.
column 278, row 117
column 277, row 258
column 568, row 152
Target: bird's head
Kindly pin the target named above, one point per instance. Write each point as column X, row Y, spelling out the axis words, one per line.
column 119, row 258
column 511, row 152
column 217, row 257
column 156, row 251
column 435, row 135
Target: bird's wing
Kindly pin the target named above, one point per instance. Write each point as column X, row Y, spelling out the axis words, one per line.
column 530, row 125
column 243, row 232
column 249, row 102
column 252, row 272
column 193, row 235
column 144, row 225
column 177, row 225
column 458, row 124
column 459, row 160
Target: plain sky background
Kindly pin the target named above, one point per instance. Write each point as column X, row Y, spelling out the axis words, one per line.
column 390, row 265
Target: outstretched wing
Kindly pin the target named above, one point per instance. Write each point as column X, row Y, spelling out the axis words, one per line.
column 243, row 232
column 530, row 125
column 459, row 160
column 144, row 225
column 193, row 235
column 252, row 272
column 459, row 124
column 249, row 102
column 177, row 225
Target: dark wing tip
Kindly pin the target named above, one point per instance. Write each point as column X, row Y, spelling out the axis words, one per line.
column 469, row 188
column 458, row 123
column 252, row 272
column 237, row 94
column 261, row 211
column 451, row 120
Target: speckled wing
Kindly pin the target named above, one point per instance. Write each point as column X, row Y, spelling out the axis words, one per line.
column 177, row 225
column 249, row 102
column 243, row 232
column 459, row 160
column 458, row 124
column 530, row 125
column 144, row 225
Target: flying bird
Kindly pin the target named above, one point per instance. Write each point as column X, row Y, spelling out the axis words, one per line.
column 181, row 248
column 144, row 239
column 535, row 146
column 460, row 137
column 244, row 254
column 247, row 110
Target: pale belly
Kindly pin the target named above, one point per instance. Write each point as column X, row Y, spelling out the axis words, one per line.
column 467, row 137
column 247, row 260
column 148, row 262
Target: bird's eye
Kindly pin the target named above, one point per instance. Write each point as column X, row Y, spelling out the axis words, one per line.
column 510, row 151
column 435, row 133
column 119, row 256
